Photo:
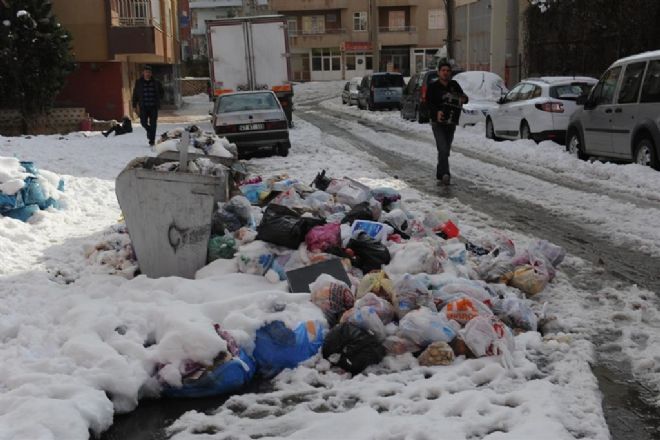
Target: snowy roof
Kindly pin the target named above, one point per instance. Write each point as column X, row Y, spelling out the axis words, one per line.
column 561, row 79
column 639, row 56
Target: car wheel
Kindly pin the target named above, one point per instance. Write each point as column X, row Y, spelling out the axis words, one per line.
column 370, row 106
column 490, row 130
column 283, row 149
column 574, row 145
column 645, row 154
column 525, row 132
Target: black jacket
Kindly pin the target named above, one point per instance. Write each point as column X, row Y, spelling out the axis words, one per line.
column 142, row 86
column 435, row 96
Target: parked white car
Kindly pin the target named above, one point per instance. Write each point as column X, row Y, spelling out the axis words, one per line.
column 537, row 108
column 484, row 90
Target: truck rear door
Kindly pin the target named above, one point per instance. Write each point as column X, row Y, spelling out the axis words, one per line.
column 228, row 51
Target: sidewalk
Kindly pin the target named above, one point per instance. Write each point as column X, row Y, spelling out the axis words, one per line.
column 195, row 109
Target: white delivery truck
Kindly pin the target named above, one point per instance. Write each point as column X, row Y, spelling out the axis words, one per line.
column 251, row 53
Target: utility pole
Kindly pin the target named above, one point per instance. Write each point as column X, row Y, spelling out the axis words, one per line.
column 373, row 33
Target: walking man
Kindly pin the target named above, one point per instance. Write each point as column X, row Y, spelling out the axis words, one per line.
column 445, row 96
column 147, row 93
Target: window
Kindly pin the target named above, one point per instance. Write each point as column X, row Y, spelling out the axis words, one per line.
column 243, row 102
column 293, row 26
column 437, row 19
column 326, row 60
column 397, row 20
column 525, row 92
column 360, row 21
column 350, row 62
column 513, row 94
column 369, row 60
column 313, row 24
column 651, row 88
column 632, row 79
column 604, row 91
column 388, row 81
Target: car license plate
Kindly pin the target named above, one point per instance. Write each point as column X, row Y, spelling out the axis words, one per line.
column 250, row 127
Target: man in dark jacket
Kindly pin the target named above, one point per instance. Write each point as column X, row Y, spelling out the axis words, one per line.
column 445, row 98
column 147, row 93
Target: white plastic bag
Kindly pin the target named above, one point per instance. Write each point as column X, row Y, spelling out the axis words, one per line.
column 424, row 326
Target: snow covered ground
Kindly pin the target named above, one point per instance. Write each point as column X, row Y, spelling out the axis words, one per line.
column 73, row 337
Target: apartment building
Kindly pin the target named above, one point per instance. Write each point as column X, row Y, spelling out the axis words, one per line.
column 194, row 14
column 112, row 41
column 488, row 36
column 340, row 39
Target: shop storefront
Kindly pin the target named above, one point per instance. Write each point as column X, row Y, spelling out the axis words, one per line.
column 357, row 59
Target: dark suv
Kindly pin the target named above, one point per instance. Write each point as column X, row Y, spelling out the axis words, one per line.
column 413, row 100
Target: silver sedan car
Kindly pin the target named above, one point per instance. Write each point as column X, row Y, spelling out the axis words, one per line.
column 253, row 121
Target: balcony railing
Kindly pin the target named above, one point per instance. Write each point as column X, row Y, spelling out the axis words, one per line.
column 300, row 32
column 397, row 29
column 134, row 13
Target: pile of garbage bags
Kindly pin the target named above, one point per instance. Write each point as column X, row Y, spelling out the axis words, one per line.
column 411, row 282
column 114, row 252
column 25, row 190
column 201, row 142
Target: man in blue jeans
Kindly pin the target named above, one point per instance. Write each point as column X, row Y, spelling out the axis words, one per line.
column 147, row 94
column 445, row 96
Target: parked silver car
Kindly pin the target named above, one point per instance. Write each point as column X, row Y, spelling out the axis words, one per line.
column 381, row 90
column 350, row 93
column 621, row 116
column 253, row 121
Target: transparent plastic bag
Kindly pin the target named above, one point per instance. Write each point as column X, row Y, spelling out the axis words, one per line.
column 516, row 314
column 410, row 294
column 383, row 308
column 424, row 326
column 378, row 283
column 366, row 318
column 332, row 296
column 438, row 353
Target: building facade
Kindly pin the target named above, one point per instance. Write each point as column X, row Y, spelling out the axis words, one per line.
column 195, row 13
column 488, row 36
column 112, row 41
column 340, row 39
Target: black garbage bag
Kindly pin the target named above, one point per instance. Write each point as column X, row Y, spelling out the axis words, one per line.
column 369, row 254
column 361, row 211
column 222, row 220
column 321, row 181
column 356, row 348
column 284, row 227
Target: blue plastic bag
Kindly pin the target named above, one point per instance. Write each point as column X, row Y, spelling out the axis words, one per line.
column 226, row 378
column 278, row 347
column 7, row 202
column 23, row 213
column 32, row 192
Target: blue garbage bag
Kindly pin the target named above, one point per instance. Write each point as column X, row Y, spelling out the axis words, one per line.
column 23, row 213
column 29, row 166
column 226, row 378
column 278, row 347
column 7, row 202
column 32, row 192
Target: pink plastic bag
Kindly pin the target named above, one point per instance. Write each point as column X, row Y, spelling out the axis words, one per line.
column 321, row 238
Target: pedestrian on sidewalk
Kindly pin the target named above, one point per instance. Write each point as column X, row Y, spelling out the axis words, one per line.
column 147, row 94
column 445, row 98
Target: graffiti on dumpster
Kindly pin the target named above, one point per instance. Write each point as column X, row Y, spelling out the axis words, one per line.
column 180, row 237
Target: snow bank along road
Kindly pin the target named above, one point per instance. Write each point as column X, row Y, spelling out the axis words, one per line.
column 605, row 215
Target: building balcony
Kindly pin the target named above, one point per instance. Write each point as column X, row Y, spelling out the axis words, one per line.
column 329, row 38
column 205, row 4
column 135, row 28
column 282, row 6
column 398, row 36
column 391, row 3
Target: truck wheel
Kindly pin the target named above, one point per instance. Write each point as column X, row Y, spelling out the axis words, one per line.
column 370, row 106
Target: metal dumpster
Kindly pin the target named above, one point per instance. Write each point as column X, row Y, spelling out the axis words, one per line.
column 168, row 215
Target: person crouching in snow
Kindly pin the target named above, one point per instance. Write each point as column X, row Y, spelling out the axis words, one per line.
column 445, row 97
column 125, row 127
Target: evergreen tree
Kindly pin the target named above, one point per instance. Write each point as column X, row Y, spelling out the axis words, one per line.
column 35, row 57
